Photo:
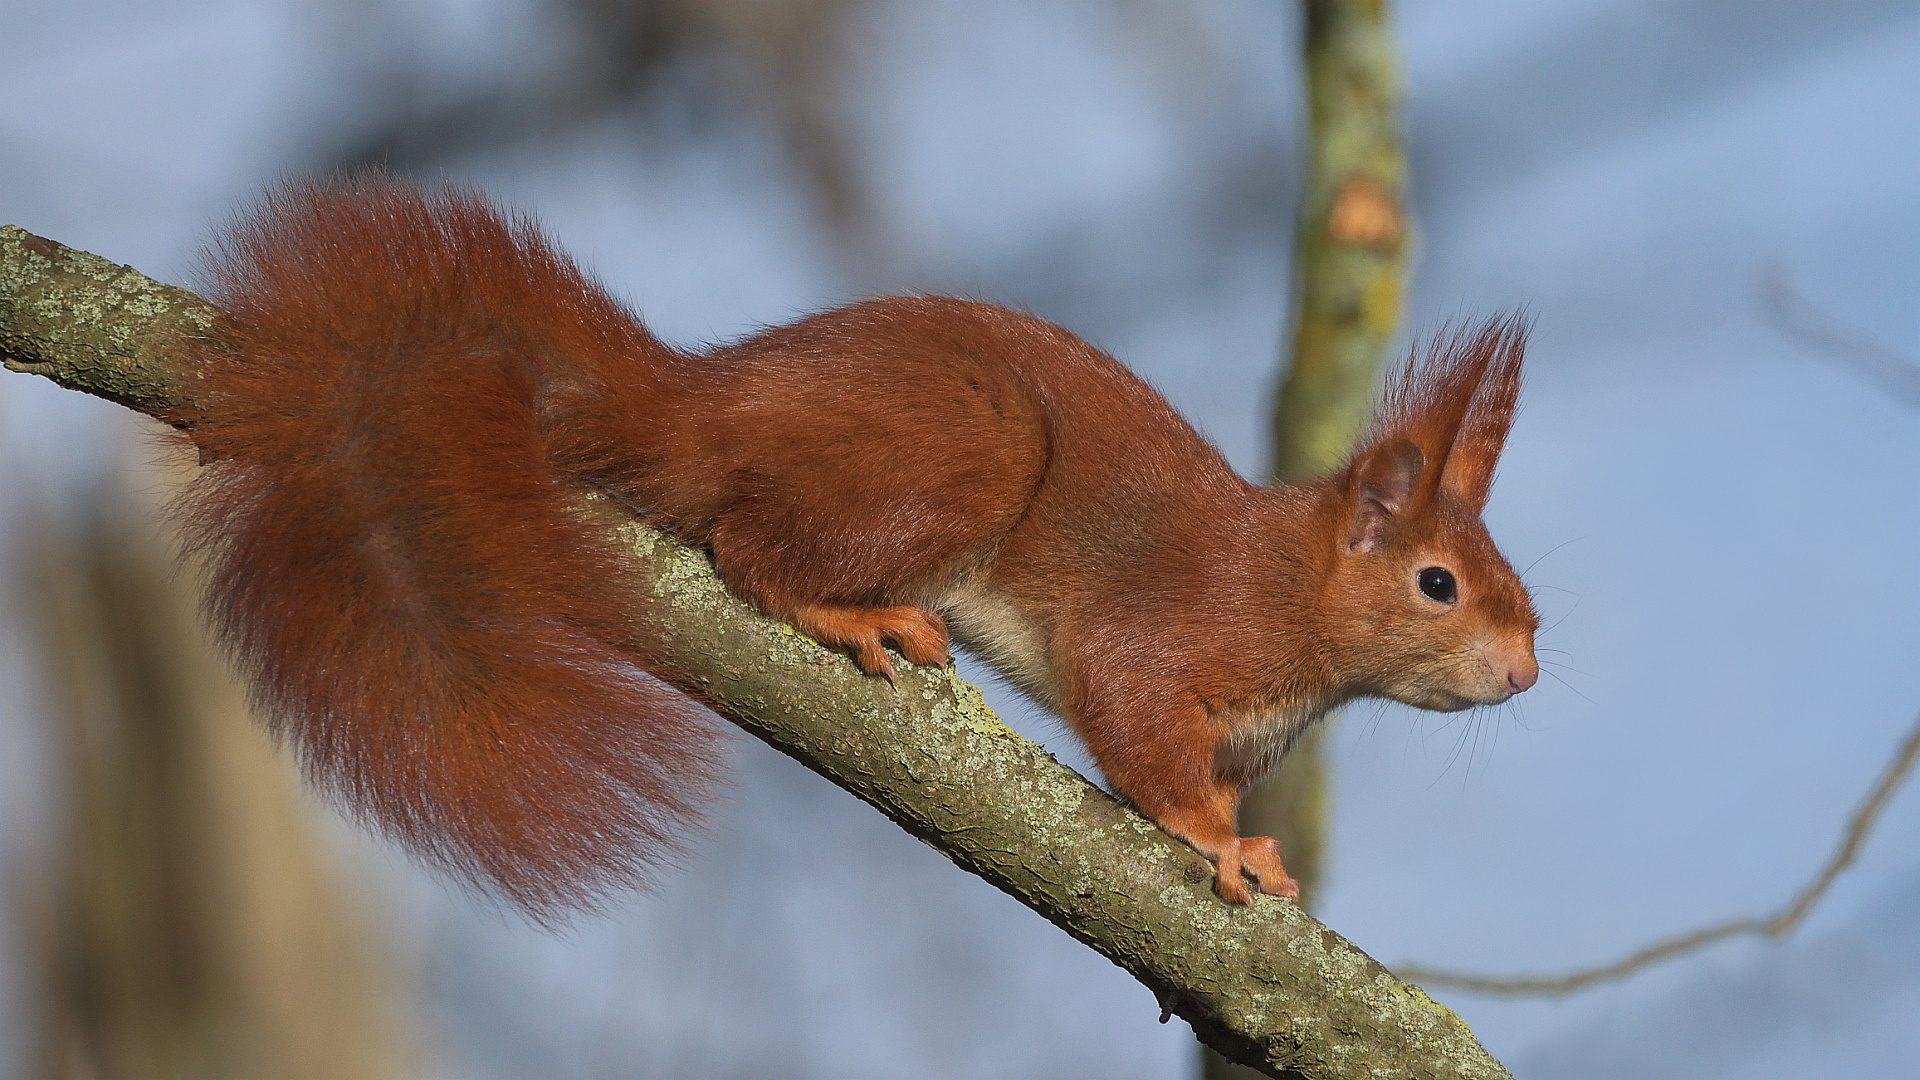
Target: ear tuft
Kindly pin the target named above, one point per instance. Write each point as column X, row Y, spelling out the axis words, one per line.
column 1456, row 404
column 1383, row 483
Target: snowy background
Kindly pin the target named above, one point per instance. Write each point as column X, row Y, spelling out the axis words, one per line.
column 1721, row 516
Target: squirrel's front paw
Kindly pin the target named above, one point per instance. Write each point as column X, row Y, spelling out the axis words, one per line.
column 1261, row 856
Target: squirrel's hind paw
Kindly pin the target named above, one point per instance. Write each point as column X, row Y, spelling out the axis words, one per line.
column 920, row 634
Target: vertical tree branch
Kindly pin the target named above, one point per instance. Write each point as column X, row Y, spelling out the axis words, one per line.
column 1351, row 245
column 1349, row 269
column 1349, row 265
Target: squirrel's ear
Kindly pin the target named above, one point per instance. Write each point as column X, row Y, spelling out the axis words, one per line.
column 1468, row 473
column 1380, row 486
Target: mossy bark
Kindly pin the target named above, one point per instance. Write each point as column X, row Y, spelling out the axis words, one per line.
column 1267, row 985
column 93, row 325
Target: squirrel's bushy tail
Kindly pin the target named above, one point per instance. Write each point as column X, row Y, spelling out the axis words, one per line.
column 401, row 572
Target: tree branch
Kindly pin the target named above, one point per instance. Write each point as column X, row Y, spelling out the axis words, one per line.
column 1267, row 985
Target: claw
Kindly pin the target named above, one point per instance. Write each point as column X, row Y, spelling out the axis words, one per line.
column 1232, row 889
column 1261, row 856
column 920, row 634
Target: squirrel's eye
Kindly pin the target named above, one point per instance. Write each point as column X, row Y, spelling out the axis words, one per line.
column 1438, row 584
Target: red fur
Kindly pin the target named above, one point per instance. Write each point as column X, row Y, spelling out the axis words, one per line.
column 443, row 648
column 395, row 561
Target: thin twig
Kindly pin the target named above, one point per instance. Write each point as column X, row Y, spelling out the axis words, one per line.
column 1778, row 925
column 1799, row 318
column 1899, row 376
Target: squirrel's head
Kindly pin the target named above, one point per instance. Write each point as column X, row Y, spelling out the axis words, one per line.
column 1420, row 606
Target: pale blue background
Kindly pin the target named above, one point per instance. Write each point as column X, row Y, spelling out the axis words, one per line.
column 1722, row 517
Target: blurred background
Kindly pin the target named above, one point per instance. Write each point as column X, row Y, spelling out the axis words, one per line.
column 1711, row 208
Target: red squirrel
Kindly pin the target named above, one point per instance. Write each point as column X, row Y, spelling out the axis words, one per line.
column 411, row 389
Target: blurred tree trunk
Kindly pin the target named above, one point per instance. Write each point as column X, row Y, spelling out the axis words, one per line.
column 1350, row 253
column 197, row 930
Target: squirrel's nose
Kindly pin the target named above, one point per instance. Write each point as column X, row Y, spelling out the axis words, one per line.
column 1524, row 672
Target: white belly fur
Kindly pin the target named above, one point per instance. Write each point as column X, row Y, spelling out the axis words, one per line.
column 994, row 628
column 1257, row 741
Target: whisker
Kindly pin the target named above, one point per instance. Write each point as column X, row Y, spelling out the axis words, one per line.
column 1379, row 716
column 1568, row 614
column 1568, row 685
column 1459, row 744
column 1549, row 551
column 1473, row 750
